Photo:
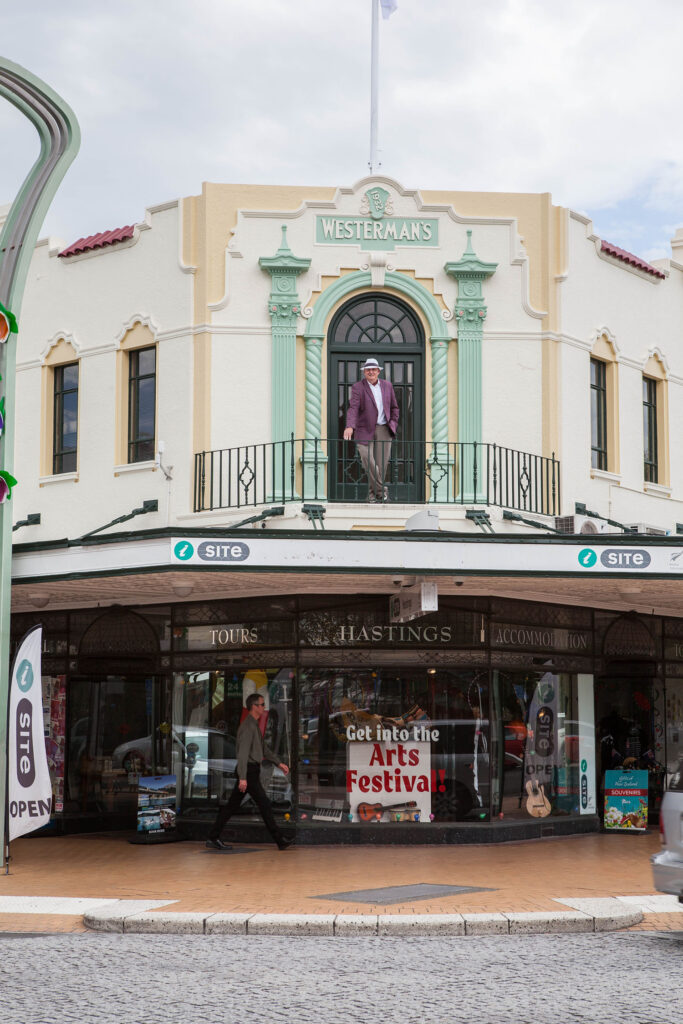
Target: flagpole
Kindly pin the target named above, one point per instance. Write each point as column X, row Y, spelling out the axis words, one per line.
column 374, row 79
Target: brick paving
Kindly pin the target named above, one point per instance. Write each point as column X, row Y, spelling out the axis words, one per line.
column 524, row 876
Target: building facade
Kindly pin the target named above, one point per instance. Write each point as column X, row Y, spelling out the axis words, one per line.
column 462, row 660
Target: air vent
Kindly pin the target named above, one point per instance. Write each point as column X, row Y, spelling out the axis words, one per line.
column 585, row 525
column 647, row 530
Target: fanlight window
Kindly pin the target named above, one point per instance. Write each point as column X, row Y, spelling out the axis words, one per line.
column 371, row 320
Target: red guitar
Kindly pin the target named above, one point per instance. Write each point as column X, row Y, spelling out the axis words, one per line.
column 372, row 812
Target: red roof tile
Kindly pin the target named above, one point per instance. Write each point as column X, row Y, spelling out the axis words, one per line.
column 628, row 257
column 99, row 241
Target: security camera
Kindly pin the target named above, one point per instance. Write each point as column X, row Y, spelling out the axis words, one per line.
column 458, row 581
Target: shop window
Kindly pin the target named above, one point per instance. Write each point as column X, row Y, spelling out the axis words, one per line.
column 543, row 745
column 392, row 746
column 208, row 708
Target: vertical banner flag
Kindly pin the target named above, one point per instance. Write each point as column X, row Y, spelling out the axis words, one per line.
column 29, row 790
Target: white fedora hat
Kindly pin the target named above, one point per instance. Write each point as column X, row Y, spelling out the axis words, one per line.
column 371, row 364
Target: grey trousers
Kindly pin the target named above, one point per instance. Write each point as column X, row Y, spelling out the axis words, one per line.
column 375, row 456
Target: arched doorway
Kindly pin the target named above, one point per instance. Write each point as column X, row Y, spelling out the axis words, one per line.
column 386, row 328
column 119, row 718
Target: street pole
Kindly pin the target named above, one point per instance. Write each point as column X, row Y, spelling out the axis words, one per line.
column 60, row 138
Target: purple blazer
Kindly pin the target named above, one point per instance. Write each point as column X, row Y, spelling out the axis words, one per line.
column 362, row 411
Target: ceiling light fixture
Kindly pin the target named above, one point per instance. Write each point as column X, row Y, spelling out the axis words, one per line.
column 182, row 589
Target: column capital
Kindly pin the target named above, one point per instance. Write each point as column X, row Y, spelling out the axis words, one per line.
column 284, row 268
column 469, row 268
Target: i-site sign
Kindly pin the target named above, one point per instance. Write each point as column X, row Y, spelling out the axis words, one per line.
column 615, row 558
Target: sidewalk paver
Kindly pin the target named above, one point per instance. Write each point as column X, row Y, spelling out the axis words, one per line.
column 548, row 884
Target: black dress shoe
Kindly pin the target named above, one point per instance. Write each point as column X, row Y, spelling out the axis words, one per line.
column 285, row 842
column 218, row 844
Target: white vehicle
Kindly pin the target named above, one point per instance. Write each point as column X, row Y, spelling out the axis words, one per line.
column 667, row 866
column 203, row 752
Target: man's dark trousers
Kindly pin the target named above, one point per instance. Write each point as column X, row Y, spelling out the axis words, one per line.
column 258, row 795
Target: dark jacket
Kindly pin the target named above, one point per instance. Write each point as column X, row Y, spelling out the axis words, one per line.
column 250, row 747
column 362, row 411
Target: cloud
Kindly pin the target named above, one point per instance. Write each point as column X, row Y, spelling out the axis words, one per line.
column 579, row 99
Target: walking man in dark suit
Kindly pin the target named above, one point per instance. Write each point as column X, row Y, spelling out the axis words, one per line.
column 251, row 751
column 372, row 421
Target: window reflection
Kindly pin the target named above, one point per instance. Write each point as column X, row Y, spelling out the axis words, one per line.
column 372, row 738
column 208, row 708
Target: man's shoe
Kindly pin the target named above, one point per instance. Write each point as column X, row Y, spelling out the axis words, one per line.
column 218, row 844
column 285, row 842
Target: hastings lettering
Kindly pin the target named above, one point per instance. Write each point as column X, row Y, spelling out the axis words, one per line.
column 26, row 766
column 394, row 634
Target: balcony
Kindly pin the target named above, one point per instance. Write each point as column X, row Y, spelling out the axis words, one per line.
column 418, row 472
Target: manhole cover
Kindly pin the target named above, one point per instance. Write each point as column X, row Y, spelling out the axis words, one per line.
column 402, row 893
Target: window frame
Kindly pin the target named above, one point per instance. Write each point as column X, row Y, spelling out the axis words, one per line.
column 599, row 433
column 135, row 441
column 59, row 391
column 650, row 430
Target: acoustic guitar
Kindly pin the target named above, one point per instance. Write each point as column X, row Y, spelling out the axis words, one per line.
column 371, row 812
column 537, row 803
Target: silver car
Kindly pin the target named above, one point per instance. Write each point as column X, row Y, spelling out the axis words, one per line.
column 667, row 866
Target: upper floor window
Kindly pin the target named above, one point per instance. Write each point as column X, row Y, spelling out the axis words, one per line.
column 65, row 426
column 598, row 414
column 141, row 404
column 650, row 439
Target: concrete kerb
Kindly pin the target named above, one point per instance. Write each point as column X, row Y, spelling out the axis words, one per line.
column 606, row 914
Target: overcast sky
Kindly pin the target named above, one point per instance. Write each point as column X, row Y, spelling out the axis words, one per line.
column 580, row 98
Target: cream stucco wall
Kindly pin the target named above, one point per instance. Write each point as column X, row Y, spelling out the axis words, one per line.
column 190, row 283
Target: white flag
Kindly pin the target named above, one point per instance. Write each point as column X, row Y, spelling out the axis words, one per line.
column 388, row 8
column 29, row 790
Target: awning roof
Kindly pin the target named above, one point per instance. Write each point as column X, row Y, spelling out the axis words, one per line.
column 619, row 573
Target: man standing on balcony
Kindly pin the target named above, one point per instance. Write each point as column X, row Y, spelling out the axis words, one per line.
column 372, row 421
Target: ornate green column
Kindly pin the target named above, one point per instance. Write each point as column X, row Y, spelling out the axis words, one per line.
column 314, row 457
column 284, row 308
column 440, row 460
column 470, row 312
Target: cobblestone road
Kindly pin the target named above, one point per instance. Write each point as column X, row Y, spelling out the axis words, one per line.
column 629, row 978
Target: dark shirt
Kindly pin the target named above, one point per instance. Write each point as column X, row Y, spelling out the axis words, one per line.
column 250, row 747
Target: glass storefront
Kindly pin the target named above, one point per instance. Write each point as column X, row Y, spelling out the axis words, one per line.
column 486, row 713
column 208, row 708
column 394, row 744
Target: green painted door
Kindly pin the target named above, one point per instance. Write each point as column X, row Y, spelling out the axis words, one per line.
column 388, row 330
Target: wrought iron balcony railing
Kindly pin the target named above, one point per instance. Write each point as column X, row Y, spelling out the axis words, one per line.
column 416, row 472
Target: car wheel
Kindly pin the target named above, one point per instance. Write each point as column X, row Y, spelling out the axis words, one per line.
column 453, row 805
